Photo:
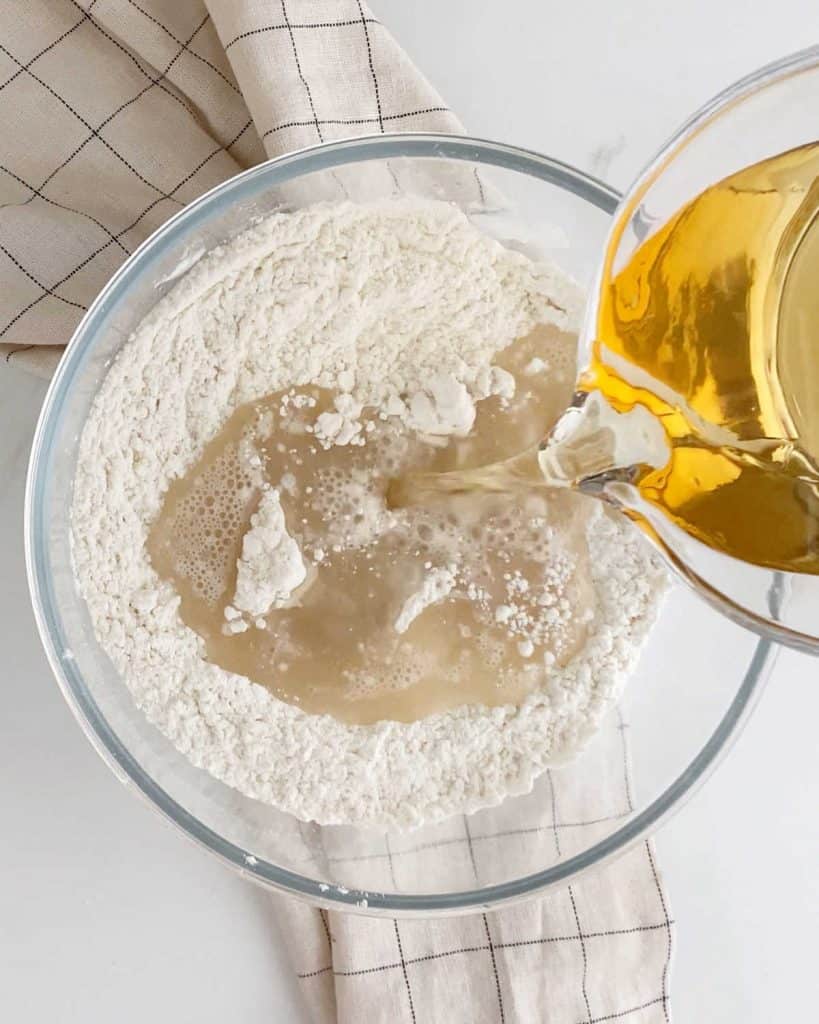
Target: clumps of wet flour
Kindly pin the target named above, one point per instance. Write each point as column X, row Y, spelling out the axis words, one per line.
column 397, row 306
column 270, row 566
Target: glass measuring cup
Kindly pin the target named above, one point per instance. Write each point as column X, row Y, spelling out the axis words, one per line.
column 760, row 116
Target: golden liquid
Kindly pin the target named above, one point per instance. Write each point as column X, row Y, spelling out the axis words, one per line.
column 713, row 327
column 720, row 308
column 335, row 648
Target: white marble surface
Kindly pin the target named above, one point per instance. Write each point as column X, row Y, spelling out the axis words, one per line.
column 106, row 914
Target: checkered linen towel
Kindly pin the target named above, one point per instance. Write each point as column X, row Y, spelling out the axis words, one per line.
column 115, row 114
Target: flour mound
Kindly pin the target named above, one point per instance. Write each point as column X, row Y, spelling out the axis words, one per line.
column 381, row 303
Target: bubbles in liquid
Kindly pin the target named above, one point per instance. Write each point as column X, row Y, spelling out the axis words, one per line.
column 406, row 668
column 207, row 522
column 351, row 506
column 336, row 650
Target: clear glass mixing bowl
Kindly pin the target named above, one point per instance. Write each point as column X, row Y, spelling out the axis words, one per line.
column 695, row 684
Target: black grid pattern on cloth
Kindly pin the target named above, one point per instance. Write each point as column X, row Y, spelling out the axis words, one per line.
column 355, row 122
column 385, row 117
column 94, row 131
column 552, row 827
column 353, row 32
column 298, row 26
column 94, row 235
column 593, row 945
column 622, row 726
column 15, row 351
column 145, row 69
column 185, row 45
column 391, row 965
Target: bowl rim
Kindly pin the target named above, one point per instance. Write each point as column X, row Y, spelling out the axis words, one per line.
column 104, row 739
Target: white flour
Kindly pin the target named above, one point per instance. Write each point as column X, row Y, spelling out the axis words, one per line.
column 437, row 584
column 400, row 306
column 270, row 567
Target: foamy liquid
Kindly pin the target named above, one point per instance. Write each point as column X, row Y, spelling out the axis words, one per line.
column 521, row 598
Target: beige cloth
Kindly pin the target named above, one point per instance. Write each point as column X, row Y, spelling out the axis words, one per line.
column 116, row 113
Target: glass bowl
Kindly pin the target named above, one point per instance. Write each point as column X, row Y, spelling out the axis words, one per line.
column 696, row 681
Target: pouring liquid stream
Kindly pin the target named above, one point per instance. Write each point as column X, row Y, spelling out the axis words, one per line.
column 700, row 399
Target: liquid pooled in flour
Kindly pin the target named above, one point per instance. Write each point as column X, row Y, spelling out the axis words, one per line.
column 396, row 614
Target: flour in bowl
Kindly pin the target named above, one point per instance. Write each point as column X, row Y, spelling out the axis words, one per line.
column 287, row 631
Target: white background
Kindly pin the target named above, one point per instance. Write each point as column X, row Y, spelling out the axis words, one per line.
column 106, row 914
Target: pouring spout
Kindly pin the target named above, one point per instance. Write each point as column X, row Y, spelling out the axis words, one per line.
column 592, row 439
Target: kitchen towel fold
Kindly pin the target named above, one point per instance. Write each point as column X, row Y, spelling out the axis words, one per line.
column 116, row 114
